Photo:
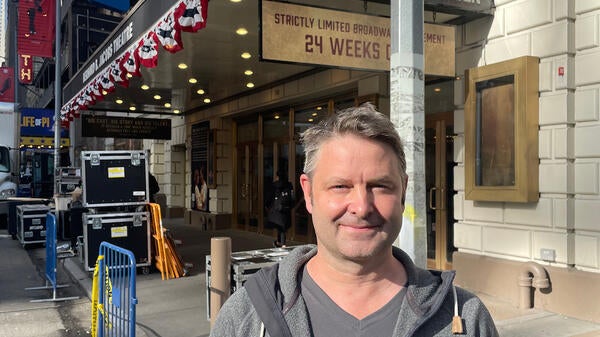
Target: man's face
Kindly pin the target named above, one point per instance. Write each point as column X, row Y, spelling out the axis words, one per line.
column 355, row 198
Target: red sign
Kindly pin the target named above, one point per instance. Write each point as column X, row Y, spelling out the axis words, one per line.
column 7, row 84
column 36, row 27
column 25, row 69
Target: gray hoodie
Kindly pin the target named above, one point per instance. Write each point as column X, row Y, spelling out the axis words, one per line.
column 427, row 309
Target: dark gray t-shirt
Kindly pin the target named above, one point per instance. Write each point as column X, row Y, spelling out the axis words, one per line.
column 327, row 319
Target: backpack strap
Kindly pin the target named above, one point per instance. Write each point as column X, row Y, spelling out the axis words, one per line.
column 263, row 290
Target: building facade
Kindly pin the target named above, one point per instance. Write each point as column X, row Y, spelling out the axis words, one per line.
column 497, row 247
column 495, row 238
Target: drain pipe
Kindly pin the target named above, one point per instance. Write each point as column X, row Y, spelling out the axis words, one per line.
column 539, row 280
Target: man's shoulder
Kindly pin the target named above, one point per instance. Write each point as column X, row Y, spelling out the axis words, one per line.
column 236, row 317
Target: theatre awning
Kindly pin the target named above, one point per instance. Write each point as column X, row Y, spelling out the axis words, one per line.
column 209, row 70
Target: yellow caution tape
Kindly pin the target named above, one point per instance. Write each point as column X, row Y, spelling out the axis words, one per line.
column 107, row 285
column 99, row 307
column 94, row 330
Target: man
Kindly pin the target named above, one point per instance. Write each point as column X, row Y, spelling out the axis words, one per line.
column 153, row 186
column 354, row 282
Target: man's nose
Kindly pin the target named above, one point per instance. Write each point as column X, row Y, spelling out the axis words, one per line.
column 361, row 202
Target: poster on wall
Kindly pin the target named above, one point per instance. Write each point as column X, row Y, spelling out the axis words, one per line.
column 202, row 165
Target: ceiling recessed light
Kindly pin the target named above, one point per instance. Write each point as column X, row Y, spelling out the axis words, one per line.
column 129, row 75
column 200, row 91
column 132, row 108
column 207, row 100
column 248, row 72
column 236, row 1
column 176, row 111
column 314, row 114
column 157, row 97
column 167, row 105
column 145, row 87
column 311, row 120
column 182, row 66
column 241, row 31
column 319, row 108
column 250, row 85
column 193, row 80
column 437, row 89
column 119, row 101
column 276, row 116
column 246, row 55
column 104, row 92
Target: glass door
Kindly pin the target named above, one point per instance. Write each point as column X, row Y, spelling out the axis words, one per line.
column 440, row 190
column 247, row 187
column 276, row 155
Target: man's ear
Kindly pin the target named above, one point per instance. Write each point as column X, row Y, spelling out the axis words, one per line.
column 404, row 190
column 306, row 189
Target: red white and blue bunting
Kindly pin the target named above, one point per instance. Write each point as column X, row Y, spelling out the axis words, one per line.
column 186, row 15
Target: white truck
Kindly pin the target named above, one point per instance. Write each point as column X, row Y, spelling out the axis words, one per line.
column 8, row 153
column 8, row 188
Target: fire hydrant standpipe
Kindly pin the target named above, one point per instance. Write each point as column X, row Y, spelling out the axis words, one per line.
column 531, row 275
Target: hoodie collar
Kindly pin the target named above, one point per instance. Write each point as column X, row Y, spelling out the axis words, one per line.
column 426, row 289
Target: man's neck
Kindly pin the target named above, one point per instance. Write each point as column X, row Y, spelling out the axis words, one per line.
column 360, row 289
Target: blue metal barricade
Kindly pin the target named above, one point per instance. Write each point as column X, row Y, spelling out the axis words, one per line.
column 51, row 258
column 114, row 303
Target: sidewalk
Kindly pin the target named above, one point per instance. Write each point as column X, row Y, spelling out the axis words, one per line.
column 177, row 307
column 21, row 318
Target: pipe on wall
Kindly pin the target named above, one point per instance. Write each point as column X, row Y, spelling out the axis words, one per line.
column 531, row 275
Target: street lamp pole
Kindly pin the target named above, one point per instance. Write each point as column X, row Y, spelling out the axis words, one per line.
column 57, row 93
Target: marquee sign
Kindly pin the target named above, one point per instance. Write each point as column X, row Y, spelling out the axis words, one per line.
column 311, row 35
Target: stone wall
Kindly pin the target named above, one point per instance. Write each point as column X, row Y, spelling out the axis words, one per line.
column 565, row 36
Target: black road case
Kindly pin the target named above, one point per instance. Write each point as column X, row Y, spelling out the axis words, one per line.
column 8, row 209
column 114, row 178
column 67, row 179
column 130, row 231
column 31, row 223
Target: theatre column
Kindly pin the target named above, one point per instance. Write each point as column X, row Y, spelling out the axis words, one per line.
column 408, row 114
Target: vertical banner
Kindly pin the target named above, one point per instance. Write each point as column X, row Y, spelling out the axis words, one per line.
column 25, row 69
column 200, row 151
column 36, row 27
column 7, row 84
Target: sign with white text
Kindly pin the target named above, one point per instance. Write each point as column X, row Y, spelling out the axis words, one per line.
column 125, row 127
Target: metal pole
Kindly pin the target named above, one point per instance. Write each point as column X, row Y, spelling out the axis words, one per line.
column 220, row 280
column 17, row 119
column 407, row 96
column 57, row 92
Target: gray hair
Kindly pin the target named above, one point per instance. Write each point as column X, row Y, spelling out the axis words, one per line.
column 363, row 121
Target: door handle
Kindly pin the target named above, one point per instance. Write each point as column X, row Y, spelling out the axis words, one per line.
column 431, row 197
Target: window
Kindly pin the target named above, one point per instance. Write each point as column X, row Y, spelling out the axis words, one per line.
column 501, row 131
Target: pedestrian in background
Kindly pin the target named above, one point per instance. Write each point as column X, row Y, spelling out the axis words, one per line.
column 280, row 207
column 354, row 282
column 154, row 187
